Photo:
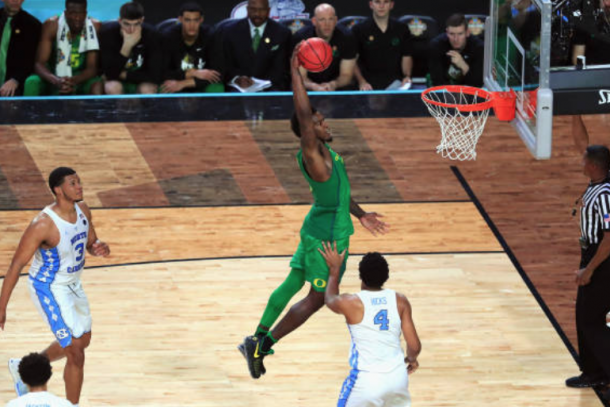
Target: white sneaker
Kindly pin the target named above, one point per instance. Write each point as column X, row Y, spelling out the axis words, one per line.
column 20, row 387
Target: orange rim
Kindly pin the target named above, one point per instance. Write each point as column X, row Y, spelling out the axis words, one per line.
column 469, row 90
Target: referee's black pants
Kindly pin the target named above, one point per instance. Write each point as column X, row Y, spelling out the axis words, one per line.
column 592, row 306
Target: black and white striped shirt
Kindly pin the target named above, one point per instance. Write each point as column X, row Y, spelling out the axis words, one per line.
column 595, row 212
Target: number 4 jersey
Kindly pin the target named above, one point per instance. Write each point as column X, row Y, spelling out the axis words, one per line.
column 64, row 263
column 376, row 340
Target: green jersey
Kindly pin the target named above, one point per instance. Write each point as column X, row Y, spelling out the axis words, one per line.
column 77, row 60
column 329, row 218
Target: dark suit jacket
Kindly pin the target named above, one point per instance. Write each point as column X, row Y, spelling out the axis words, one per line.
column 270, row 60
column 22, row 47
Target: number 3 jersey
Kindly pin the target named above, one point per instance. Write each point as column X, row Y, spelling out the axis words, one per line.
column 64, row 263
column 376, row 340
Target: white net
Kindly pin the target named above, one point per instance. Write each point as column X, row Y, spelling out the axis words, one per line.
column 460, row 130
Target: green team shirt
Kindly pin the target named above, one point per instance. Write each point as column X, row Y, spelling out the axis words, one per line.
column 329, row 218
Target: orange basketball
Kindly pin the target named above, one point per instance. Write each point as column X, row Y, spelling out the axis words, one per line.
column 315, row 55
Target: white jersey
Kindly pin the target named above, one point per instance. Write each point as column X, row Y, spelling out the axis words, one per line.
column 376, row 340
column 64, row 263
column 39, row 399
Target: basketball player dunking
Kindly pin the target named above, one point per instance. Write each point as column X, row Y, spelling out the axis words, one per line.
column 328, row 219
column 58, row 238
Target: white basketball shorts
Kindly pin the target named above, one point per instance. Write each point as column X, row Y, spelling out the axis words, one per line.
column 65, row 308
column 371, row 389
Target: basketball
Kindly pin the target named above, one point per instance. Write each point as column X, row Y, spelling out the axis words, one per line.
column 315, row 55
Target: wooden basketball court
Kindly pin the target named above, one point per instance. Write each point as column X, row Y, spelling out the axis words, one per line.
column 202, row 227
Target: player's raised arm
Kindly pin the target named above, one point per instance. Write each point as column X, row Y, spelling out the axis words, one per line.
column 310, row 144
column 346, row 304
column 33, row 237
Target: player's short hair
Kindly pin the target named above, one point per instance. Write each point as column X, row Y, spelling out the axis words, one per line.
column 132, row 11
column 83, row 2
column 374, row 270
column 35, row 369
column 599, row 156
column 294, row 122
column 456, row 20
column 58, row 175
column 191, row 7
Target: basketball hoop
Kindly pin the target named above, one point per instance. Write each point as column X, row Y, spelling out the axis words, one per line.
column 462, row 112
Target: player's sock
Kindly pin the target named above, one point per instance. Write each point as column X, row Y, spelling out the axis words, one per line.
column 267, row 342
column 280, row 297
column 261, row 331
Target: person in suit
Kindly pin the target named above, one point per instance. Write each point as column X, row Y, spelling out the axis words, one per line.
column 256, row 47
column 19, row 35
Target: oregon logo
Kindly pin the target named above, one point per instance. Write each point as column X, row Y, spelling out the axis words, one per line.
column 320, row 283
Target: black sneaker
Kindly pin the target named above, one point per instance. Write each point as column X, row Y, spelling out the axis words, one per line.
column 242, row 348
column 254, row 356
column 583, row 381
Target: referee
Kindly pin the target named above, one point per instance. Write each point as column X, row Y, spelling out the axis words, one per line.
column 593, row 277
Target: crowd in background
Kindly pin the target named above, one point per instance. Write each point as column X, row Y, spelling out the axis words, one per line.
column 73, row 53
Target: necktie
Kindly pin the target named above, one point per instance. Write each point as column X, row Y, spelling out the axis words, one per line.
column 6, row 39
column 256, row 40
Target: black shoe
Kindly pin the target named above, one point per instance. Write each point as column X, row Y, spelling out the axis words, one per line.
column 242, row 349
column 583, row 381
column 254, row 356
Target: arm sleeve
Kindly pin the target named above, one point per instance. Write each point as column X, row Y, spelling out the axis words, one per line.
column 227, row 48
column 279, row 67
column 603, row 210
column 580, row 37
column 112, row 61
column 29, row 52
column 171, row 70
column 153, row 62
column 351, row 46
column 435, row 63
column 474, row 77
column 406, row 48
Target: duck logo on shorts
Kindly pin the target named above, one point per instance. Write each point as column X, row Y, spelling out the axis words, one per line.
column 319, row 283
column 62, row 334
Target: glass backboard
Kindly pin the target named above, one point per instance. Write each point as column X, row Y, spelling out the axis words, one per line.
column 517, row 56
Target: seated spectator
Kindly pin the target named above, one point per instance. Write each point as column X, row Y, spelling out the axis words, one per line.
column 340, row 74
column 68, row 55
column 19, row 35
column 588, row 41
column 455, row 58
column 256, row 47
column 132, row 58
column 384, row 49
column 35, row 371
column 187, row 50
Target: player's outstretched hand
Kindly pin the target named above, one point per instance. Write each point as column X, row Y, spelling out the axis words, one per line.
column 332, row 256
column 372, row 224
column 99, row 249
column 412, row 365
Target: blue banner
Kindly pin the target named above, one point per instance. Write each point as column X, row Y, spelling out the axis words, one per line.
column 100, row 10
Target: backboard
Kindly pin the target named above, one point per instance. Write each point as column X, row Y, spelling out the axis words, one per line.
column 517, row 56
